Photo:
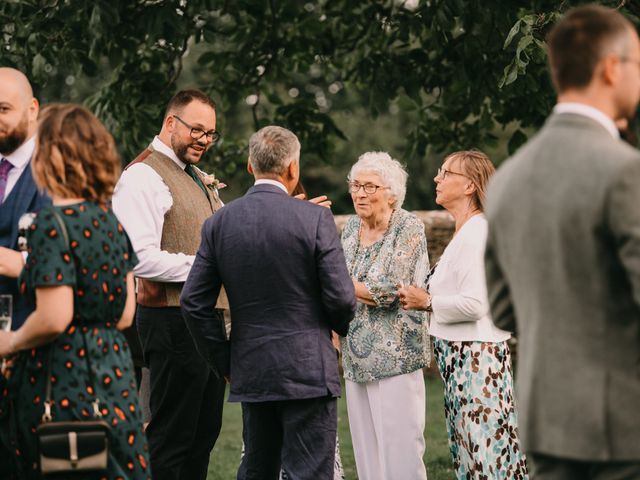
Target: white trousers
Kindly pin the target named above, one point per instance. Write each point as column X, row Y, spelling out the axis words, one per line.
column 387, row 420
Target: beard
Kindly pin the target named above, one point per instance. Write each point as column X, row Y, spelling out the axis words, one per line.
column 10, row 142
column 183, row 153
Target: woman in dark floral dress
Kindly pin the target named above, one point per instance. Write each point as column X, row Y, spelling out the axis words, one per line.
column 83, row 290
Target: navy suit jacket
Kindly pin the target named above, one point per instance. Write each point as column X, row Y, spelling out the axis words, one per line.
column 23, row 198
column 283, row 268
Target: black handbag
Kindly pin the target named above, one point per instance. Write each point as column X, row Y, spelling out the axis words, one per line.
column 78, row 445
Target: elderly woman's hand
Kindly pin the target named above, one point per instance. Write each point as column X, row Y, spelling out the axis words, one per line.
column 414, row 298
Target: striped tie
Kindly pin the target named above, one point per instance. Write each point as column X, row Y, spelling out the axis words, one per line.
column 5, row 166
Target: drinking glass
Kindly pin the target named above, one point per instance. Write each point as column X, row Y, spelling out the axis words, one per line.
column 6, row 306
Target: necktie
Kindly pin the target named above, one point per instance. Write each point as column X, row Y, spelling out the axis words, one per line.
column 192, row 173
column 5, row 166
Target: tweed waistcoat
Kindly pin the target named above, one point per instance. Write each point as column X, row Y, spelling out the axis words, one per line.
column 181, row 229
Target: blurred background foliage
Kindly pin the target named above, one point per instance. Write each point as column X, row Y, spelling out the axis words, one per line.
column 416, row 78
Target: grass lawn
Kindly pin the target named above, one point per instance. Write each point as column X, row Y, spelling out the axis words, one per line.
column 226, row 454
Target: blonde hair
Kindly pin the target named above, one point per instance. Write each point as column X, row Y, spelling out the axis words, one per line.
column 75, row 154
column 478, row 168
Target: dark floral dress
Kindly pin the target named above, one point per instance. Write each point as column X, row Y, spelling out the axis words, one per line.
column 95, row 264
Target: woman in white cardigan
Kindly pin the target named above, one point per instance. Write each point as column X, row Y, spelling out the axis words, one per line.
column 472, row 353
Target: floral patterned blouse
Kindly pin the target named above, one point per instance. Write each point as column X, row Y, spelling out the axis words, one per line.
column 384, row 340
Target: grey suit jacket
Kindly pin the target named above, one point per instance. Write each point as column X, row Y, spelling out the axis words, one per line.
column 563, row 271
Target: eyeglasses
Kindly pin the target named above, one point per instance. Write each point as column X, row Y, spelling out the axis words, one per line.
column 369, row 188
column 443, row 172
column 198, row 133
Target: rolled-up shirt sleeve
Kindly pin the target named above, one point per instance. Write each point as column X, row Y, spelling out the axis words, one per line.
column 140, row 201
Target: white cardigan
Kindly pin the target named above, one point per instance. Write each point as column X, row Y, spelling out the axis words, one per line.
column 459, row 291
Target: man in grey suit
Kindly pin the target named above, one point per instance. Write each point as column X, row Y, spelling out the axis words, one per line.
column 563, row 258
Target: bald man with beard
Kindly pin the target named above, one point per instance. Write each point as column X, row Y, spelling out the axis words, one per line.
column 18, row 195
column 18, row 192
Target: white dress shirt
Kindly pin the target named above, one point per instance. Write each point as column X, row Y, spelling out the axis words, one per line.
column 590, row 112
column 459, row 291
column 268, row 181
column 20, row 161
column 140, row 201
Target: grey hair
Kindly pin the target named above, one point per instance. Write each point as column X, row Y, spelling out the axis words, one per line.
column 391, row 172
column 272, row 149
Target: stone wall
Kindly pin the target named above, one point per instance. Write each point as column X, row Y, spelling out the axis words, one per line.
column 438, row 226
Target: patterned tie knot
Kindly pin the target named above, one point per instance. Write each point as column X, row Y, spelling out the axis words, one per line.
column 5, row 166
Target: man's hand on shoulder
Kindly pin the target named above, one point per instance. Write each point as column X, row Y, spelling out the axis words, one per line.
column 11, row 262
column 322, row 200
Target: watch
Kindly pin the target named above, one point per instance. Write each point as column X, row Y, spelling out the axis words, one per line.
column 429, row 303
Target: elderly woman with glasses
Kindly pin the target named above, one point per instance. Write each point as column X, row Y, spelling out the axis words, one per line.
column 472, row 353
column 384, row 351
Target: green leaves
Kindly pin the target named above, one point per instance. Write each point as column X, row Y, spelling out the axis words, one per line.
column 518, row 138
column 448, row 74
column 530, row 29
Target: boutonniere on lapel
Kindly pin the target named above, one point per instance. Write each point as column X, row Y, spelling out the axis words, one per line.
column 210, row 180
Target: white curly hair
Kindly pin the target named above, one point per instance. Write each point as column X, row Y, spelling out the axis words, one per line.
column 391, row 172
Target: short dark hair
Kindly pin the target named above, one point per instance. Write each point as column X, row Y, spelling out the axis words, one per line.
column 581, row 39
column 184, row 98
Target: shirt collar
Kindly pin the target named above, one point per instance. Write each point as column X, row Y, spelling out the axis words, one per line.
column 268, row 181
column 590, row 112
column 164, row 149
column 23, row 154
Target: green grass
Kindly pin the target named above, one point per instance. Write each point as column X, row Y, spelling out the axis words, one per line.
column 225, row 457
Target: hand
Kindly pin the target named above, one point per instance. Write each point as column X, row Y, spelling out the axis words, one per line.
column 322, row 200
column 6, row 347
column 335, row 339
column 413, row 298
column 11, row 262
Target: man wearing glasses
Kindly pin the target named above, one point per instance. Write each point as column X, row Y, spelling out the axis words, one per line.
column 162, row 203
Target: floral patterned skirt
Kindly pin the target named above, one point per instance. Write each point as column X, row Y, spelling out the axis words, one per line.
column 480, row 411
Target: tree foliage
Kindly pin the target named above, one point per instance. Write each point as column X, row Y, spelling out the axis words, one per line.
column 460, row 70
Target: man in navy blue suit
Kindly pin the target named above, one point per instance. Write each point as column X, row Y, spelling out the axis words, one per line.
column 18, row 195
column 18, row 192
column 284, row 271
